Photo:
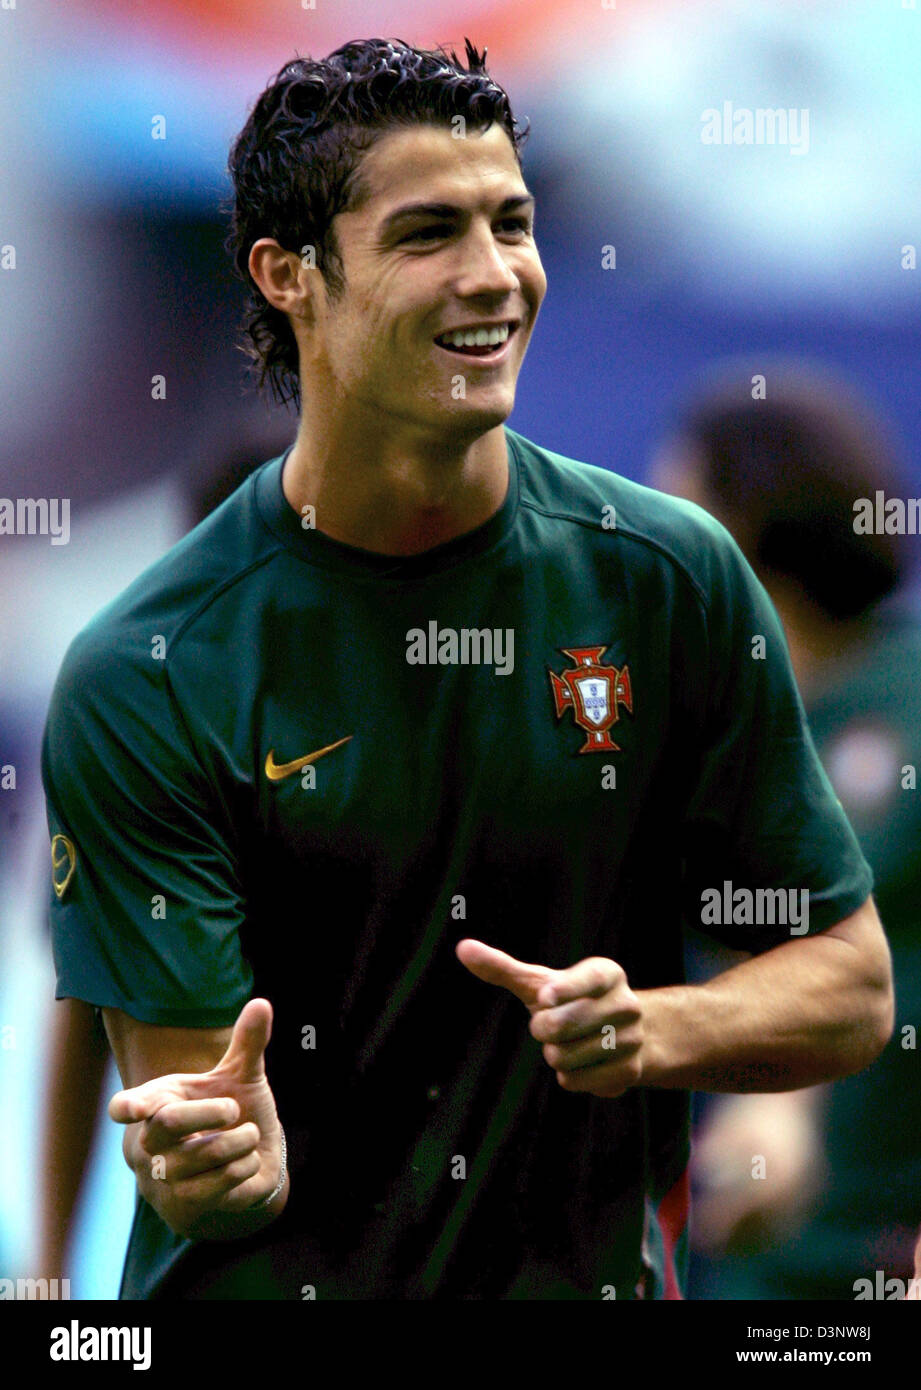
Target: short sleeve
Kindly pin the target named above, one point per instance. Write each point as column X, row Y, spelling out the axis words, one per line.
column 146, row 906
column 769, row 854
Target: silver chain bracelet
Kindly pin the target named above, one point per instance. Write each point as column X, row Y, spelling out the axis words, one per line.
column 284, row 1173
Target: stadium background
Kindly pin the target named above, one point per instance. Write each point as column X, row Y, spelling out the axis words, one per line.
column 120, row 275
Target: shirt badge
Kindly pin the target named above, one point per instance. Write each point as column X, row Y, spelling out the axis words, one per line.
column 593, row 693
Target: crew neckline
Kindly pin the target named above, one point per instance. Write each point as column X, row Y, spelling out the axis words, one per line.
column 317, row 548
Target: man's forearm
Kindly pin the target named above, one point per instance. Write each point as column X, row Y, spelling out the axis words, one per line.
column 801, row 1014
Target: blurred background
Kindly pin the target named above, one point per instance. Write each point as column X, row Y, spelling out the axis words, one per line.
column 666, row 253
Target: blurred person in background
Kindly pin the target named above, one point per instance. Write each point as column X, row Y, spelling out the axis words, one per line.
column 841, row 1193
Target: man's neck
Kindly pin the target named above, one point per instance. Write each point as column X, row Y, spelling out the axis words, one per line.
column 395, row 495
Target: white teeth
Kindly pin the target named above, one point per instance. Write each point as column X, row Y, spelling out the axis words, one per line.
column 479, row 337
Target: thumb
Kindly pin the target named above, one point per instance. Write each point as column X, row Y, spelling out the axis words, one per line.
column 497, row 968
column 248, row 1042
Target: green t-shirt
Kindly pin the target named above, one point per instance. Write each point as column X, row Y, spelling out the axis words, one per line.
column 560, row 729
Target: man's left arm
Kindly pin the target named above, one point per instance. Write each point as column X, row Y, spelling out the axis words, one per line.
column 802, row 1013
column 807, row 1011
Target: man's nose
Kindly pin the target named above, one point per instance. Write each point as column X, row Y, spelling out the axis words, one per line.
column 484, row 268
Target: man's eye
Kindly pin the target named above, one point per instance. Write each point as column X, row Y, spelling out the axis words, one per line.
column 435, row 231
column 425, row 233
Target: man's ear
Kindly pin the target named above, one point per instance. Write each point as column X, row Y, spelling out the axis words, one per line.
column 288, row 280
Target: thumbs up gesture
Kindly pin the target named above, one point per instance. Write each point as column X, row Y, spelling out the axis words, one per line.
column 587, row 1017
column 203, row 1144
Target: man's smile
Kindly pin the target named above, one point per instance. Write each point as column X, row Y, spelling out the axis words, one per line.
column 485, row 340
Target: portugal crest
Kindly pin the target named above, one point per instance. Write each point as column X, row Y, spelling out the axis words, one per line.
column 592, row 692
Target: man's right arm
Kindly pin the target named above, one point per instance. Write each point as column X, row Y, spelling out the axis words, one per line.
column 202, row 1135
column 145, row 1050
column 130, row 805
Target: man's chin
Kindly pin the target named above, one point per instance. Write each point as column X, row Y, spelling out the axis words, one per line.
column 467, row 418
column 467, row 431
column 482, row 416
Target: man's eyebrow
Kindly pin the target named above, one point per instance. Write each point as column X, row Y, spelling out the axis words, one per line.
column 447, row 210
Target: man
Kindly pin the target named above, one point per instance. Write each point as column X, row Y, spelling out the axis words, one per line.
column 330, row 772
column 841, row 1198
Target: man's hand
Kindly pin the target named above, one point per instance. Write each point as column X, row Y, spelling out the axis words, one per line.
column 587, row 1017
column 202, row 1144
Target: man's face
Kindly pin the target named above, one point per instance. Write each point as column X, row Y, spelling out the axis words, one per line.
column 411, row 278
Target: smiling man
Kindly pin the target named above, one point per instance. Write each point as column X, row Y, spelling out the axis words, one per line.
column 311, row 882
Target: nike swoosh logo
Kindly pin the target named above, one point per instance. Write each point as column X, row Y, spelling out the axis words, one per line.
column 277, row 772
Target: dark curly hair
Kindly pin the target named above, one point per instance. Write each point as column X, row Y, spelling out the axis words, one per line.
column 296, row 163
